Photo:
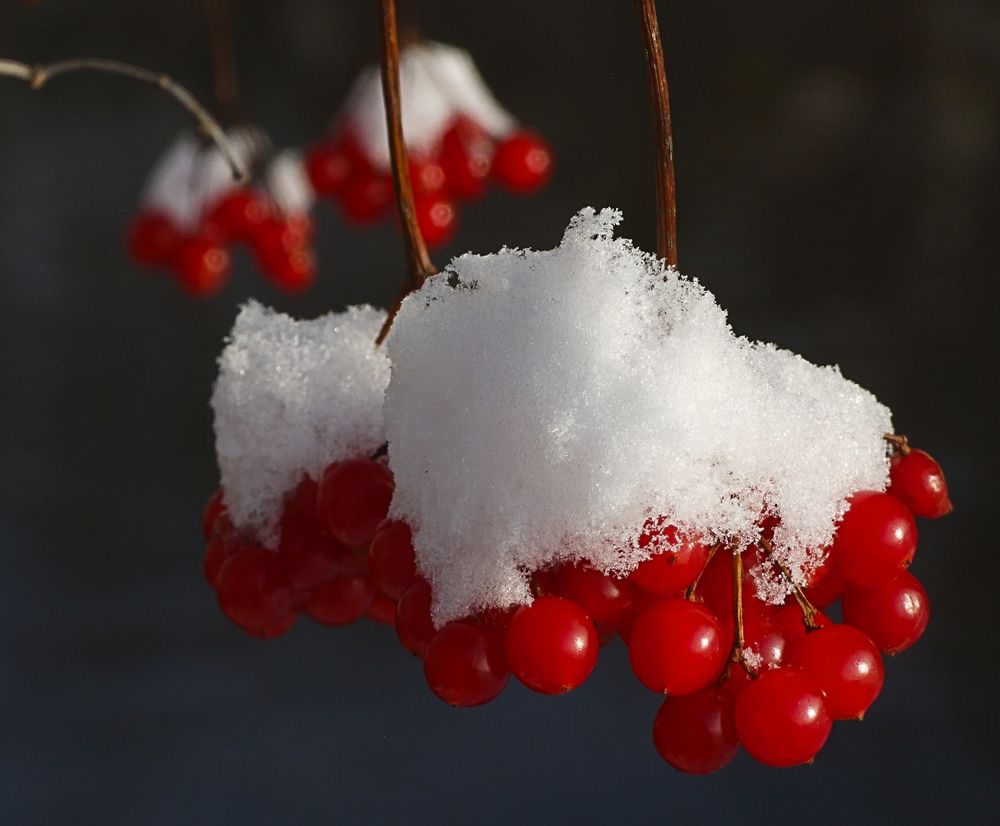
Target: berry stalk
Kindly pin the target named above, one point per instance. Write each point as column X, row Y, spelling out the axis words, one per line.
column 418, row 260
column 225, row 83
column 37, row 76
column 666, row 190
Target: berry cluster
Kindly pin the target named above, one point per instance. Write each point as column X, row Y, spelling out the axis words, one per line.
column 458, row 168
column 192, row 215
column 735, row 669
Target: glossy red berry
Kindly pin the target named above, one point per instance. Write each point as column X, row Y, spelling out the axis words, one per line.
column 781, row 718
column 413, row 618
column 827, row 585
column 153, row 239
column 641, row 602
column 214, row 508
column 918, row 482
column 764, row 641
column 551, row 645
column 330, row 166
column 464, row 665
column 466, row 157
column 523, row 162
column 437, row 219
column 846, row 667
column 367, row 197
column 311, row 559
column 238, row 215
column 253, row 589
column 894, row 615
column 676, row 647
column 276, row 630
column 341, row 600
column 790, row 620
column 354, row 498
column 696, row 733
column 391, row 561
column 876, row 539
column 427, row 177
column 202, row 266
column 675, row 565
column 382, row 609
column 605, row 599
column 216, row 552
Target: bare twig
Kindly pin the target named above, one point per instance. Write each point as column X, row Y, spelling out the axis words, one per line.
column 807, row 608
column 666, row 194
column 225, row 81
column 900, row 443
column 419, row 264
column 37, row 76
column 690, row 593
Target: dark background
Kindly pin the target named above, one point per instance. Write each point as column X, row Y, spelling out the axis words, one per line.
column 838, row 188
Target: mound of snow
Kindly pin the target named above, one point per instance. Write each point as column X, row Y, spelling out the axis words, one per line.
column 544, row 405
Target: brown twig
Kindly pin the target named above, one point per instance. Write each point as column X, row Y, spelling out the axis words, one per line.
column 900, row 443
column 736, row 656
column 37, row 76
column 225, row 82
column 419, row 264
column 666, row 190
column 807, row 608
column 689, row 594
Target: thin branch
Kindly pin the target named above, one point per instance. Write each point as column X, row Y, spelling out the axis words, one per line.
column 37, row 76
column 900, row 443
column 805, row 606
column 666, row 190
column 419, row 264
column 690, row 594
column 225, row 82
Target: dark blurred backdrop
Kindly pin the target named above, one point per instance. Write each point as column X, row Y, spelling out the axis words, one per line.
column 838, row 180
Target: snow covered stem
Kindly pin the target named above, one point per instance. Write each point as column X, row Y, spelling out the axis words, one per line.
column 807, row 608
column 418, row 261
column 37, row 76
column 666, row 191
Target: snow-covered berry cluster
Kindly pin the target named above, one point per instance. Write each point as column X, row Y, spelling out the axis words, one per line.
column 192, row 213
column 573, row 447
column 458, row 139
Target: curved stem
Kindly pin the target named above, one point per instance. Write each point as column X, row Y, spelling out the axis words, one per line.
column 900, row 442
column 807, row 608
column 225, row 81
column 690, row 593
column 419, row 264
column 666, row 190
column 37, row 76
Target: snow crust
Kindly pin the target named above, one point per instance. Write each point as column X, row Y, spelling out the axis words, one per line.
column 544, row 405
column 437, row 84
column 291, row 397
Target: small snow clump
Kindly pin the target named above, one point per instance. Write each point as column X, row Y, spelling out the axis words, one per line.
column 291, row 397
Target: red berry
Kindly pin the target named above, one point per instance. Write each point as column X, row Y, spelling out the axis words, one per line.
column 523, row 162
column 790, row 620
column 828, row 585
column 275, row 630
column 341, row 600
column 641, row 602
column 466, row 156
column 464, row 665
column 391, row 560
column 437, row 219
column 330, row 166
column 605, row 599
column 367, row 197
column 551, row 645
column 696, row 733
column 202, row 266
column 918, row 482
column 781, row 718
column 675, row 564
column 153, row 239
column 764, row 640
column 253, row 589
column 676, row 647
column 876, row 539
column 893, row 615
column 214, row 508
column 239, row 214
column 382, row 610
column 426, row 177
column 216, row 552
column 311, row 559
column 846, row 667
column 413, row 618
column 354, row 498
